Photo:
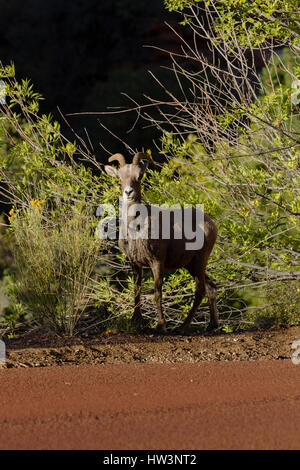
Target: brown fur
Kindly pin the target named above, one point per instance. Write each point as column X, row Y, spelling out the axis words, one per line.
column 160, row 254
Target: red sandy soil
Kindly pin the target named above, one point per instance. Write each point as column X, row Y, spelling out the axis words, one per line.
column 206, row 405
column 126, row 392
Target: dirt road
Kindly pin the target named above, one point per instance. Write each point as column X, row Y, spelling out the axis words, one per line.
column 219, row 405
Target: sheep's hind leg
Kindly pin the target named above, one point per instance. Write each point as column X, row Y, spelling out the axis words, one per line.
column 158, row 272
column 210, row 289
column 199, row 294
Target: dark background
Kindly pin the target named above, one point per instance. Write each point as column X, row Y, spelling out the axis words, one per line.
column 81, row 55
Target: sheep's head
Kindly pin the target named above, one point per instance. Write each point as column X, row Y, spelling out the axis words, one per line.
column 129, row 175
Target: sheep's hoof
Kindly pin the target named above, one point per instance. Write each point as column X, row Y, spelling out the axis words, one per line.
column 179, row 331
column 160, row 329
column 212, row 327
column 139, row 323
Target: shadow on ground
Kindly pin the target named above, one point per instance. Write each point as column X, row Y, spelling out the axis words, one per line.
column 40, row 350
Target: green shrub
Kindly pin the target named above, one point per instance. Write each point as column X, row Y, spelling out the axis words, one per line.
column 283, row 299
column 56, row 254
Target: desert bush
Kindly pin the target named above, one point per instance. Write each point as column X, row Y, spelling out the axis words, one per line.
column 282, row 300
column 56, row 257
column 52, row 201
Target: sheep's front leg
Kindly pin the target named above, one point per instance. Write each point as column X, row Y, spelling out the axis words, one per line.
column 137, row 318
column 158, row 273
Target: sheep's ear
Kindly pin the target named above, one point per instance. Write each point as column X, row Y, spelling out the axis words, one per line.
column 143, row 168
column 111, row 171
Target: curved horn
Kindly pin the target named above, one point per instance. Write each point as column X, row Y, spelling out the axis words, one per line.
column 140, row 156
column 119, row 157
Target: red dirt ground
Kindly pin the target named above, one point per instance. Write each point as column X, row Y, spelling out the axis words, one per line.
column 205, row 405
column 39, row 350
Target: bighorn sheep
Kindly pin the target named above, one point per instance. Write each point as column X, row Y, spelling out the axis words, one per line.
column 160, row 253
